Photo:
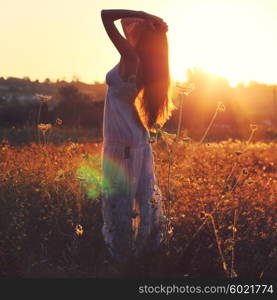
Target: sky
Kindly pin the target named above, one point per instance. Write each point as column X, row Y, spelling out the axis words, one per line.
column 60, row 39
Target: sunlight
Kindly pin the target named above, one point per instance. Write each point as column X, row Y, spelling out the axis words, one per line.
column 223, row 41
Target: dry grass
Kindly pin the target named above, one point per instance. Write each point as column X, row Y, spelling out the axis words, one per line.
column 220, row 197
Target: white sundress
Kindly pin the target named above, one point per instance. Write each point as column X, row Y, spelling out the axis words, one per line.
column 131, row 200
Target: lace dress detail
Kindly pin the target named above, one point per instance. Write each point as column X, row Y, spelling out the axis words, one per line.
column 131, row 199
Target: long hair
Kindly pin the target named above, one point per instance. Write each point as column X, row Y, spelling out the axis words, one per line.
column 154, row 100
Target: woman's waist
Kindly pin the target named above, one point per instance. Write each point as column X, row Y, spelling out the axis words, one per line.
column 125, row 135
column 126, row 143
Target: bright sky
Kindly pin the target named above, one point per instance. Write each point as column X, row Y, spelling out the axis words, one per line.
column 236, row 39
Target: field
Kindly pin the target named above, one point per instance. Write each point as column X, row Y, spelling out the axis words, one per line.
column 220, row 198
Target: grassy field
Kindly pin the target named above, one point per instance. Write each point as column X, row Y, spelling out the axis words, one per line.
column 220, row 198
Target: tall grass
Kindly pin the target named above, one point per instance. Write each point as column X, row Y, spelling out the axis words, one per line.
column 172, row 143
column 218, row 198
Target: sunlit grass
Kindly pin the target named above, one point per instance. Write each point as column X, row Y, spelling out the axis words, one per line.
column 222, row 197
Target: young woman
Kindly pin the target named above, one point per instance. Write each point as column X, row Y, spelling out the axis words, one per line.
column 137, row 100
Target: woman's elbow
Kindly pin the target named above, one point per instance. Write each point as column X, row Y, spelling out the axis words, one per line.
column 104, row 12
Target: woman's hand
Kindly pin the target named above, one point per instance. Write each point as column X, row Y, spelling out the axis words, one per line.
column 156, row 23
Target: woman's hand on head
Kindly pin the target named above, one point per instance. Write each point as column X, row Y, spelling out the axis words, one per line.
column 156, row 23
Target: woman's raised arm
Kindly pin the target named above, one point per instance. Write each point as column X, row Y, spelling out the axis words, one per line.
column 115, row 14
column 122, row 45
column 108, row 17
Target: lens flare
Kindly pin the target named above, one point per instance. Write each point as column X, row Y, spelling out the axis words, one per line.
column 116, row 178
column 110, row 178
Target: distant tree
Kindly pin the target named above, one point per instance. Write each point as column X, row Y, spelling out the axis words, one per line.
column 77, row 109
column 26, row 78
column 47, row 80
column 13, row 89
column 253, row 83
column 18, row 114
column 70, row 106
column 75, row 78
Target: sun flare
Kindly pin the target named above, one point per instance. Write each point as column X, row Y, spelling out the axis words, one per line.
column 224, row 41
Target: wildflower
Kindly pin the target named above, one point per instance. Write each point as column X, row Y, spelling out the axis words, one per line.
column 79, row 229
column 5, row 142
column 263, row 235
column 168, row 137
column 233, row 228
column 43, row 98
column 187, row 88
column 245, row 171
column 220, row 106
column 85, row 156
column 157, row 126
column 72, row 146
column 187, row 139
column 253, row 127
column 203, row 215
column 59, row 121
column 152, row 140
column 163, row 219
column 60, row 174
column 44, row 127
column 170, row 230
column 225, row 267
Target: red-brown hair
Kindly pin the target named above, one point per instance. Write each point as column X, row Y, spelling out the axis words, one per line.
column 154, row 101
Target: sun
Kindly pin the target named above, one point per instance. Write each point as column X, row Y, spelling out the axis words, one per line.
column 224, row 41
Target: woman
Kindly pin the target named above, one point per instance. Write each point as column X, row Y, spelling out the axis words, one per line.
column 136, row 102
